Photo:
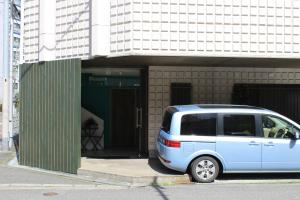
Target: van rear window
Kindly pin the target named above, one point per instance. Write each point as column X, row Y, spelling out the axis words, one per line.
column 167, row 121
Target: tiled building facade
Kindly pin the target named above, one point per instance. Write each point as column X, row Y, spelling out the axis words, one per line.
column 187, row 31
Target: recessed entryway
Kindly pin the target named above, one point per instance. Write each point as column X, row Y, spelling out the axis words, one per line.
column 114, row 109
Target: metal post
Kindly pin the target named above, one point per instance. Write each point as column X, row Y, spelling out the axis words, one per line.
column 5, row 105
column 10, row 75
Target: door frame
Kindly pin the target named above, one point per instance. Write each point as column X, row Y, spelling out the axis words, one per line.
column 144, row 73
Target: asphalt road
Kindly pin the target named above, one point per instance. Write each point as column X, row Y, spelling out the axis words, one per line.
column 25, row 184
column 193, row 191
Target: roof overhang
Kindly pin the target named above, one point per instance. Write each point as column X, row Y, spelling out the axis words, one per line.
column 138, row 61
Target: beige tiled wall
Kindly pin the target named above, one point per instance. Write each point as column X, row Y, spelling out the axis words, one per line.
column 210, row 85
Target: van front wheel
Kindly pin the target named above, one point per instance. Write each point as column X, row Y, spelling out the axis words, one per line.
column 204, row 169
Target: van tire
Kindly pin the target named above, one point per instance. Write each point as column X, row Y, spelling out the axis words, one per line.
column 205, row 169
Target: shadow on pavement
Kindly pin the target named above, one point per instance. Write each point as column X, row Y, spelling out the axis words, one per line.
column 157, row 166
column 160, row 168
column 259, row 176
column 159, row 189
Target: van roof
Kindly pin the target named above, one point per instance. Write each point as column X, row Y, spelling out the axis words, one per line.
column 215, row 106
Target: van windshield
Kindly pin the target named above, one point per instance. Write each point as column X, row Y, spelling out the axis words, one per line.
column 167, row 121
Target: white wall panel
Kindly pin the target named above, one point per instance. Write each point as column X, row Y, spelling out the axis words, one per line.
column 222, row 28
column 121, row 27
column 256, row 28
column 31, row 30
column 72, row 29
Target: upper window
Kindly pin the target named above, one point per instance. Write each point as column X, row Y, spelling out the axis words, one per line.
column 239, row 125
column 275, row 127
column 181, row 93
column 199, row 124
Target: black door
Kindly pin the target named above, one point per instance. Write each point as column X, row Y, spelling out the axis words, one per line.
column 123, row 116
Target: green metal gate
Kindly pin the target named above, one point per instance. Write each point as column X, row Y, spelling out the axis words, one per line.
column 50, row 112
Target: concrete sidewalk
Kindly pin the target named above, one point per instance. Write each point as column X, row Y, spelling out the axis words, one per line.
column 119, row 173
column 6, row 156
column 14, row 177
column 113, row 172
column 133, row 172
column 142, row 172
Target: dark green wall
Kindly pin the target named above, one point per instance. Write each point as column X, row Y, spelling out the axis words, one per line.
column 50, row 125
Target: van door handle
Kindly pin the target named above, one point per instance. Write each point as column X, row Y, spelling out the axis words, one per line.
column 269, row 144
column 253, row 143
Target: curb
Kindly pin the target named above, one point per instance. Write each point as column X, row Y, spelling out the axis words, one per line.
column 258, row 181
column 140, row 181
column 98, row 178
column 112, row 179
column 57, row 186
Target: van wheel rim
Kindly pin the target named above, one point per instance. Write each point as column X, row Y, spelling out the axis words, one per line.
column 205, row 169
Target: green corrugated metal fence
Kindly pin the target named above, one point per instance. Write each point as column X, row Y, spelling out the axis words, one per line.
column 50, row 111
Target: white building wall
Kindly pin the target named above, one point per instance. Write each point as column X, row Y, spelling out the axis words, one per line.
column 72, row 29
column 231, row 28
column 47, row 34
column 100, row 19
column 209, row 85
column 121, row 26
column 257, row 28
column 31, row 30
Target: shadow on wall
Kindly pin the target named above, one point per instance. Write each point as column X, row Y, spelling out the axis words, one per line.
column 68, row 30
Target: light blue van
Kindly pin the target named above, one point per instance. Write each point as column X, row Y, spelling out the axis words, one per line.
column 206, row 140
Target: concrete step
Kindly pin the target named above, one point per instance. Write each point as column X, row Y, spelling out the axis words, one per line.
column 116, row 179
column 130, row 172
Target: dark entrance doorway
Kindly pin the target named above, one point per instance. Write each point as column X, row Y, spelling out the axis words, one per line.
column 123, row 118
column 127, row 121
column 118, row 99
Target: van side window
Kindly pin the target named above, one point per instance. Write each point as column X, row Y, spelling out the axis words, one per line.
column 199, row 124
column 239, row 125
column 275, row 127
